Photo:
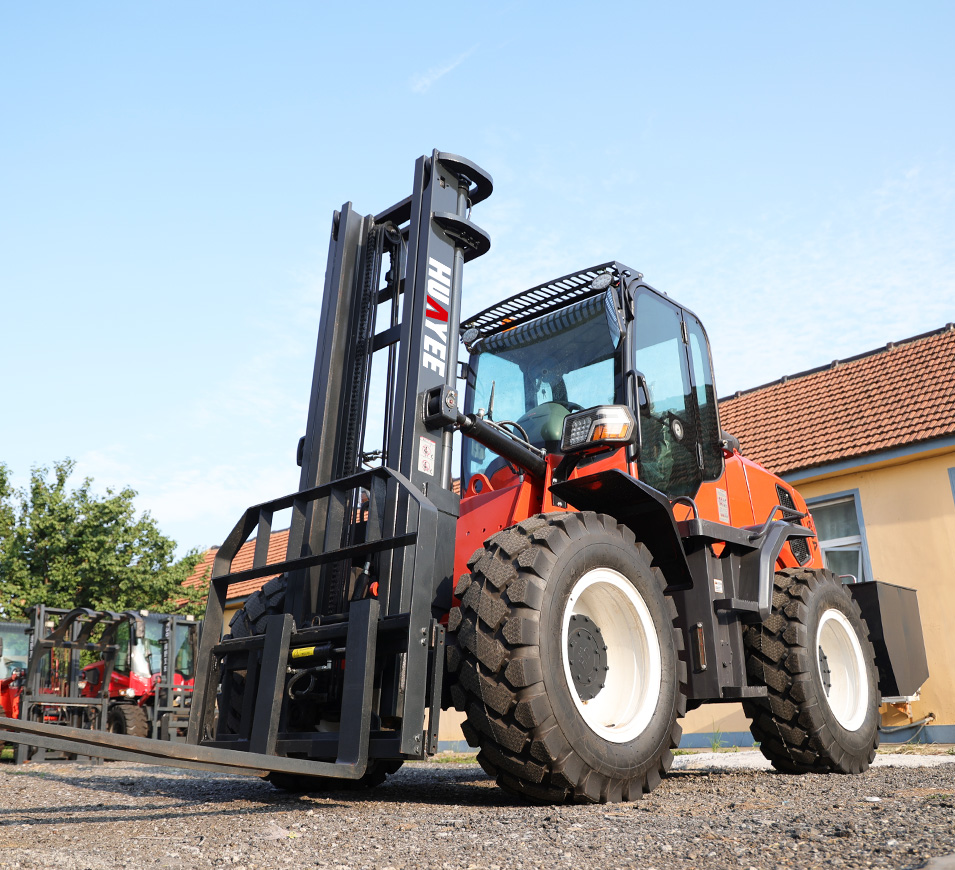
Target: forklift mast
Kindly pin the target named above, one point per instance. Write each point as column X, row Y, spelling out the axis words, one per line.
column 426, row 239
column 372, row 527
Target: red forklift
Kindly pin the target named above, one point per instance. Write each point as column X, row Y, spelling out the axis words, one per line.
column 612, row 561
column 150, row 687
column 140, row 684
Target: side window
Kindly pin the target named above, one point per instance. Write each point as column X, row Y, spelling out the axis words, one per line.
column 507, row 381
column 13, row 649
column 121, row 664
column 705, row 394
column 669, row 427
column 841, row 536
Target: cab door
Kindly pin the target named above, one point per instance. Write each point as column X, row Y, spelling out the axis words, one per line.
column 679, row 446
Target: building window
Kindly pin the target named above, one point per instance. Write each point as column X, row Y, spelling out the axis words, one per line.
column 842, row 536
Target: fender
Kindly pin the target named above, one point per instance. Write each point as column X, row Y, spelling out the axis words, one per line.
column 647, row 512
column 758, row 569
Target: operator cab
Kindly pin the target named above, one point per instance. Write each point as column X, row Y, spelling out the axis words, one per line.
column 595, row 338
column 531, row 377
column 143, row 656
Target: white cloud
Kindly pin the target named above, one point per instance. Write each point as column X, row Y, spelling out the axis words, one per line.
column 422, row 82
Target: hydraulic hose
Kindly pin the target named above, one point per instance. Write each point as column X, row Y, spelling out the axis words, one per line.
column 919, row 726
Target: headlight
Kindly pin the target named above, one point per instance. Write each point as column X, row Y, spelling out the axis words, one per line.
column 598, row 427
column 129, row 693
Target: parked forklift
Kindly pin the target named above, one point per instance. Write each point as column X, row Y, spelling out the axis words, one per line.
column 140, row 682
column 612, row 561
column 150, row 687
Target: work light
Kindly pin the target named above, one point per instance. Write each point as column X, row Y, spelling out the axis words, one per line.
column 602, row 426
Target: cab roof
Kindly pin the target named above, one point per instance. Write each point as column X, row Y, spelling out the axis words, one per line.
column 543, row 299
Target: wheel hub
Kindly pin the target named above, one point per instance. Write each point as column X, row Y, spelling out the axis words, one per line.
column 587, row 655
column 824, row 672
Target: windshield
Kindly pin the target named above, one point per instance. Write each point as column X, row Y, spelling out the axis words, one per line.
column 145, row 657
column 13, row 648
column 537, row 373
column 184, row 650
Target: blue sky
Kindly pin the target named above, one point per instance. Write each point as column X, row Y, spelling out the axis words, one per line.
column 168, row 174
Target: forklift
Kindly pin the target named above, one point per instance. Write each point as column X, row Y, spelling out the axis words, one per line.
column 139, row 684
column 612, row 560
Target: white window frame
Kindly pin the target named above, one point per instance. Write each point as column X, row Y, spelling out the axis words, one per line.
column 851, row 542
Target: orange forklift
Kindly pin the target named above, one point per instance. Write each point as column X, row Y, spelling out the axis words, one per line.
column 612, row 561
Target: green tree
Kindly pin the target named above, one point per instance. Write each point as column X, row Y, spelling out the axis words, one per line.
column 72, row 548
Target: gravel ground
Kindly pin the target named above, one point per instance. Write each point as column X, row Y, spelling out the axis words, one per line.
column 714, row 812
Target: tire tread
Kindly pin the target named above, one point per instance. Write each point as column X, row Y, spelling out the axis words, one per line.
column 500, row 674
column 788, row 724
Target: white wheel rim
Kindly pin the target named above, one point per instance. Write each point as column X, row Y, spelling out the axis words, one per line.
column 623, row 708
column 848, row 694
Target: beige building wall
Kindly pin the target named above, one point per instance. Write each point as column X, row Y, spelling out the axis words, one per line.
column 227, row 614
column 709, row 718
column 908, row 510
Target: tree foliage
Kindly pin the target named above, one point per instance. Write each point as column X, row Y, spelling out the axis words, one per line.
column 72, row 548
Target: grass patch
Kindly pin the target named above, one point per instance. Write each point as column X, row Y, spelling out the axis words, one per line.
column 940, row 797
column 450, row 758
column 716, row 741
column 915, row 749
column 6, row 754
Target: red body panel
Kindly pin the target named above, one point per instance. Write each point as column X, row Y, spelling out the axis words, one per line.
column 9, row 699
column 142, row 687
column 505, row 499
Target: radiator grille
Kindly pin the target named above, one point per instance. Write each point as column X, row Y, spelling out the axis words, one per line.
column 785, row 499
column 800, row 549
column 799, row 546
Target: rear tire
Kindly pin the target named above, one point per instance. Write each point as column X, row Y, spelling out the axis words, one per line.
column 250, row 621
column 564, row 656
column 813, row 655
column 128, row 719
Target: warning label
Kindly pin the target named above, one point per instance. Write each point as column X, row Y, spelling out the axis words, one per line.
column 723, row 505
column 426, row 456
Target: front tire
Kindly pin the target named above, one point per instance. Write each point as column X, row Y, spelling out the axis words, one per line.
column 564, row 657
column 128, row 719
column 814, row 657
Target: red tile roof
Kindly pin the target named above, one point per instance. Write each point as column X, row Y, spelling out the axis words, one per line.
column 243, row 561
column 899, row 395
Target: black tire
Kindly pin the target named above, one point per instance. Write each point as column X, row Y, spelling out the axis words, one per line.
column 524, row 690
column 250, row 621
column 128, row 719
column 818, row 717
column 378, row 771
